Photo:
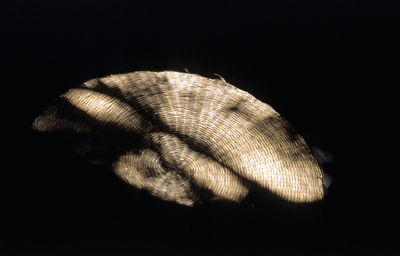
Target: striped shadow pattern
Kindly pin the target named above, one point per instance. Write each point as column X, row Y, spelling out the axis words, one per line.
column 185, row 138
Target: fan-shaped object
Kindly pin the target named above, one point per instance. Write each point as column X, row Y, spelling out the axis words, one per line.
column 185, row 138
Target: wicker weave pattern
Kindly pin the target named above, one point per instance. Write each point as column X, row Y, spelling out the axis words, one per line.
column 197, row 136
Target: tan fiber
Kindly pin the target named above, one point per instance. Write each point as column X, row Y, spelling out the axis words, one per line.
column 195, row 138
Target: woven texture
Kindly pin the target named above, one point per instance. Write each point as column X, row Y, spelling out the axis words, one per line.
column 186, row 138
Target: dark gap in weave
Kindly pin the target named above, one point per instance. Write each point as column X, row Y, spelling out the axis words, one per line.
column 151, row 173
column 236, row 107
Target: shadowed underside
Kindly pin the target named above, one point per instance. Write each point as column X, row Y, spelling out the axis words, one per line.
column 185, row 138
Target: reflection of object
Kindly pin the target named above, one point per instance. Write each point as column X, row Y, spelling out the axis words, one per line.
column 185, row 138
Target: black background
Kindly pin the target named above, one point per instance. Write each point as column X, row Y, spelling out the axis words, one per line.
column 329, row 67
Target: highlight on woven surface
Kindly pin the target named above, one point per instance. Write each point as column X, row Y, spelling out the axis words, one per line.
column 185, row 138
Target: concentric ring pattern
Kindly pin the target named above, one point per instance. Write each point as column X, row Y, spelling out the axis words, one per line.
column 185, row 138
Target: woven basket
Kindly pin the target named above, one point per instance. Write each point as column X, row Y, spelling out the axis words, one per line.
column 185, row 138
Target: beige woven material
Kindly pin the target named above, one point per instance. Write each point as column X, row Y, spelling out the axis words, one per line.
column 193, row 138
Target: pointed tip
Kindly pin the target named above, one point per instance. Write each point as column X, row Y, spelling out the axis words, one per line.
column 220, row 77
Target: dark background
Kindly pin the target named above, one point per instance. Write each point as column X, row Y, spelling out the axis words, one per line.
column 329, row 67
